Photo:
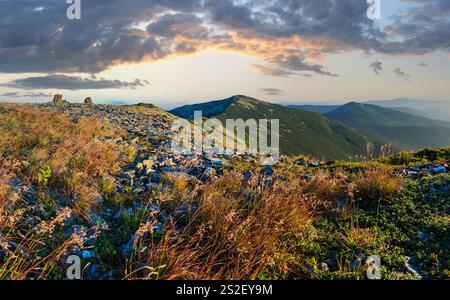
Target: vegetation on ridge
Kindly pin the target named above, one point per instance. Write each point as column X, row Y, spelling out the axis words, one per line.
column 299, row 130
column 58, row 196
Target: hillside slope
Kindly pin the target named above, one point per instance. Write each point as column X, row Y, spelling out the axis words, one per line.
column 320, row 109
column 405, row 130
column 209, row 109
column 301, row 132
column 147, row 109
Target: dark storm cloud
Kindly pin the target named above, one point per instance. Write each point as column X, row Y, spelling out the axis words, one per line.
column 272, row 91
column 172, row 25
column 422, row 29
column 73, row 83
column 36, row 36
column 377, row 67
column 45, row 40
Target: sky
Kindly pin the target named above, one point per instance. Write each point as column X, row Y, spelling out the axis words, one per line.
column 174, row 52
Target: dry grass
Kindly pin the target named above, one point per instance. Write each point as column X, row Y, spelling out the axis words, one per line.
column 29, row 247
column 251, row 229
column 360, row 238
column 330, row 189
column 31, row 256
column 240, row 230
column 58, row 153
column 53, row 156
column 7, row 195
column 378, row 185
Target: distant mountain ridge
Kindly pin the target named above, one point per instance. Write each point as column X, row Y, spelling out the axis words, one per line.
column 427, row 108
column 439, row 110
column 301, row 132
column 405, row 130
column 320, row 109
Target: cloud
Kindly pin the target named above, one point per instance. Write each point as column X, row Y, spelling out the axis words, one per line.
column 377, row 67
column 290, row 36
column 284, row 66
column 72, row 83
column 421, row 29
column 295, row 63
column 271, row 71
column 401, row 74
column 24, row 95
column 272, row 91
column 9, row 95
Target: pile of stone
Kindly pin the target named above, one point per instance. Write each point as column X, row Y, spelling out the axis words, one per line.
column 58, row 99
column 313, row 164
column 88, row 101
column 425, row 169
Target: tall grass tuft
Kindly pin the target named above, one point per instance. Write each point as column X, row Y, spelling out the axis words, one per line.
column 238, row 230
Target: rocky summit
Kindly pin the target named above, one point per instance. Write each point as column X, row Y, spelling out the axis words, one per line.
column 148, row 131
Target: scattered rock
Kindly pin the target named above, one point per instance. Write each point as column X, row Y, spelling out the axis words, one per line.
column 423, row 170
column 124, row 213
column 268, row 170
column 139, row 190
column 164, row 218
column 206, row 174
column 157, row 228
column 411, row 269
column 439, row 170
column 97, row 220
column 88, row 254
column 248, row 174
column 301, row 162
column 356, row 265
column 93, row 272
column 183, row 214
column 15, row 182
column 423, row 236
column 127, row 249
column 323, row 267
column 155, row 178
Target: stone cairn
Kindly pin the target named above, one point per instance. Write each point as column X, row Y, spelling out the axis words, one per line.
column 58, row 99
column 88, row 101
